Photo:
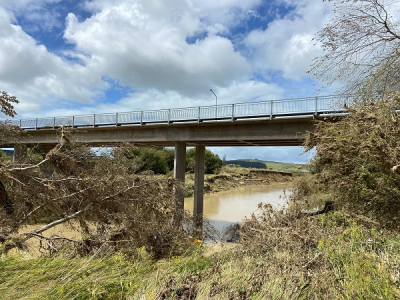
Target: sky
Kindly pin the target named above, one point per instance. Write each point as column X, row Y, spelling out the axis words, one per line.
column 68, row 57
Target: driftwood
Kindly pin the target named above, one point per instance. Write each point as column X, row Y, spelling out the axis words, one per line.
column 329, row 206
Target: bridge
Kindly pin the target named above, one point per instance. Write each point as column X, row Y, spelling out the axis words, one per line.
column 281, row 122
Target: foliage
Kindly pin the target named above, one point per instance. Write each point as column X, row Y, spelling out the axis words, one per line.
column 8, row 132
column 6, row 104
column 356, row 154
column 349, row 261
column 3, row 155
column 213, row 163
column 361, row 44
column 105, row 201
column 158, row 160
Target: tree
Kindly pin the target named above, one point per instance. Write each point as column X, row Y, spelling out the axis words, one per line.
column 361, row 45
column 359, row 154
column 8, row 133
column 6, row 104
column 112, row 207
column 100, row 196
column 212, row 162
column 157, row 159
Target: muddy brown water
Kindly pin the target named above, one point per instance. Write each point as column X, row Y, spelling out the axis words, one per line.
column 229, row 207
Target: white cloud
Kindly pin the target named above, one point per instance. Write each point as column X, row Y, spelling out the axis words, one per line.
column 37, row 77
column 287, row 45
column 39, row 14
column 221, row 16
column 145, row 47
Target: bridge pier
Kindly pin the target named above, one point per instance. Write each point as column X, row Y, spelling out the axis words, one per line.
column 20, row 153
column 199, row 190
column 179, row 173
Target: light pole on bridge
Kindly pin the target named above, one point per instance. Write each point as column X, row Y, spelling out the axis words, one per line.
column 216, row 104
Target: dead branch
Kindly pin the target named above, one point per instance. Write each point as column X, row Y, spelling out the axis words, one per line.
column 29, row 167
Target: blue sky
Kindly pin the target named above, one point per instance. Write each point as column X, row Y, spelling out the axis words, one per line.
column 65, row 57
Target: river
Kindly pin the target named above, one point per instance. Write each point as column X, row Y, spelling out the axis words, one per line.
column 228, row 207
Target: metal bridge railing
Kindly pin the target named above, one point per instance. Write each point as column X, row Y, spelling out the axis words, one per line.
column 284, row 108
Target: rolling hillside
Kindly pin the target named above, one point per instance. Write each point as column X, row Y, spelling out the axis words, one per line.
column 273, row 165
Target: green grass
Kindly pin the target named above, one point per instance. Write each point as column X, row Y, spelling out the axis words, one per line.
column 281, row 166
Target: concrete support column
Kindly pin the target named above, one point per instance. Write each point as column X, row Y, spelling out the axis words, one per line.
column 179, row 173
column 46, row 148
column 47, row 168
column 20, row 153
column 199, row 189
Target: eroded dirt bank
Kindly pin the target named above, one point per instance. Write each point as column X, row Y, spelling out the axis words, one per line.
column 238, row 177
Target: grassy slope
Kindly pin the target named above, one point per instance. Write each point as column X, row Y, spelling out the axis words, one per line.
column 281, row 166
column 353, row 262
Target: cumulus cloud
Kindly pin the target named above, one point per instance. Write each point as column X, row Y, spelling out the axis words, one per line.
column 37, row 14
column 287, row 45
column 145, row 46
column 37, row 77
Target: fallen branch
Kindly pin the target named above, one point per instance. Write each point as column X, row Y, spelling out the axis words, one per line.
column 60, row 221
column 30, row 167
column 23, row 237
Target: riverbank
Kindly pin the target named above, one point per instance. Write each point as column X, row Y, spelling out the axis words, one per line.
column 232, row 177
column 337, row 255
column 327, row 257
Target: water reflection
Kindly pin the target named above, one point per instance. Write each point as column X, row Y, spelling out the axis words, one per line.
column 226, row 208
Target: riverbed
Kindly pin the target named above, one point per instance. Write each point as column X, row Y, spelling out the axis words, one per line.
column 232, row 206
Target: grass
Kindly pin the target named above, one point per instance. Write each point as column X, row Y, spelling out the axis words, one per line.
column 296, row 169
column 349, row 262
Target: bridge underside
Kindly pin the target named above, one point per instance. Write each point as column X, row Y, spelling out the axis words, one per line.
column 287, row 132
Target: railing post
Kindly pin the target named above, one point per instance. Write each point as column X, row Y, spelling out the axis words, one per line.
column 54, row 123
column 116, row 120
column 270, row 111
column 169, row 116
column 233, row 112
column 316, row 105
column 20, row 123
column 94, row 120
column 198, row 117
column 73, row 121
column 141, row 118
column 36, row 124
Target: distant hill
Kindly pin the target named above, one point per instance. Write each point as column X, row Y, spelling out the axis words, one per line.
column 247, row 164
column 271, row 165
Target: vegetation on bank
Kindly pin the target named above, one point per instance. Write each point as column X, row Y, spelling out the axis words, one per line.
column 281, row 256
column 160, row 160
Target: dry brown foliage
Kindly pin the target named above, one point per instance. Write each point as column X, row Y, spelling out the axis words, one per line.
column 115, row 208
column 355, row 156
